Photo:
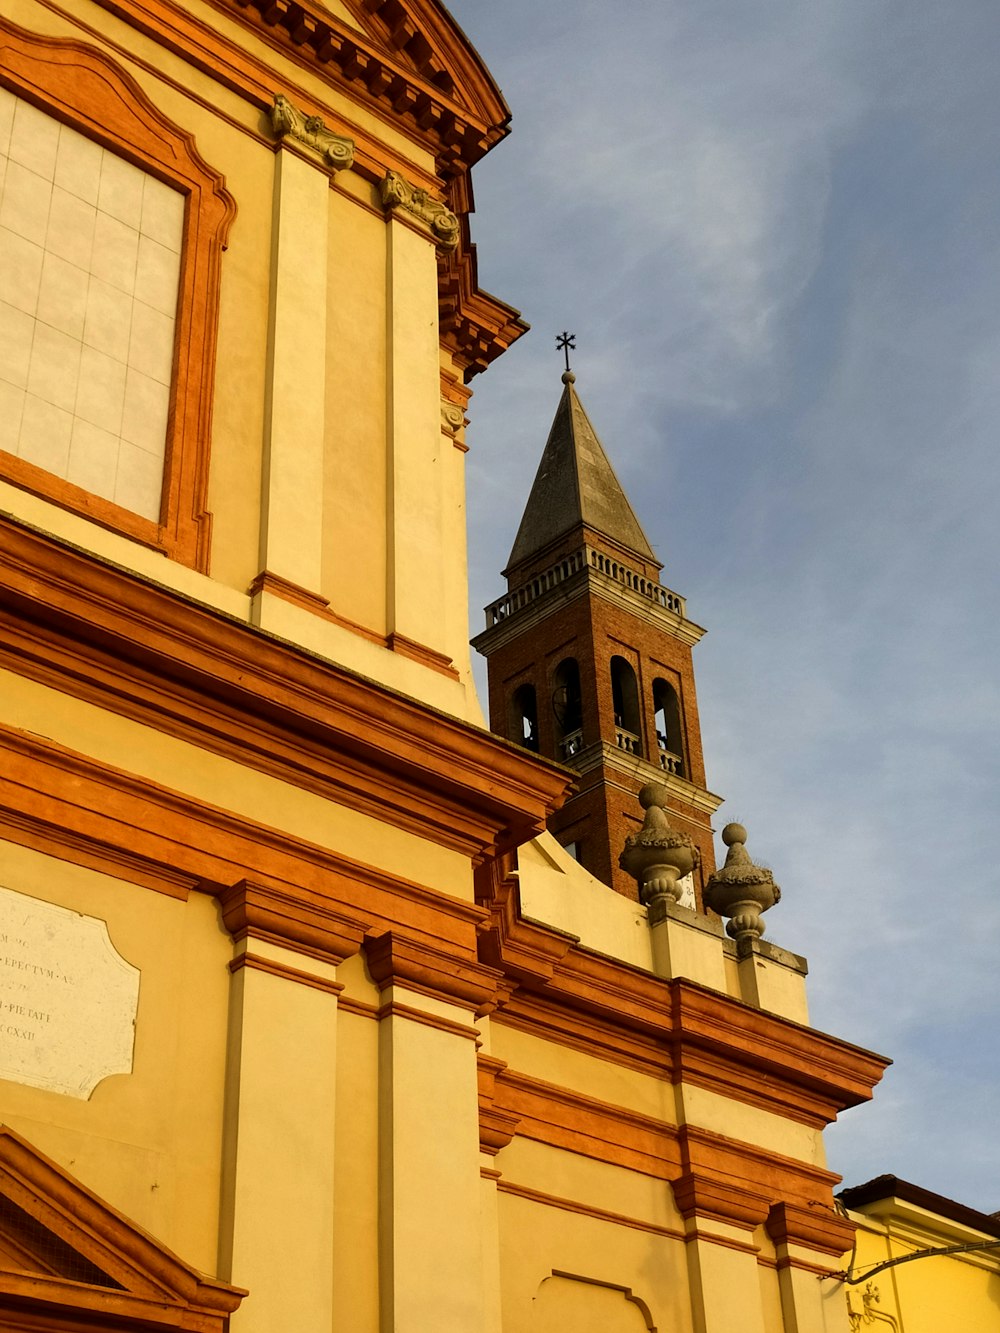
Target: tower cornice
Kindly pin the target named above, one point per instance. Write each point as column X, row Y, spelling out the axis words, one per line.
column 611, row 759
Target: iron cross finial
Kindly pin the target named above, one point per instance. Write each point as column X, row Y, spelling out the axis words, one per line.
column 564, row 342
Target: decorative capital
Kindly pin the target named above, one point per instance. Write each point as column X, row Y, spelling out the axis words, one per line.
column 287, row 121
column 452, row 417
column 396, row 191
column 394, row 960
column 497, row 1125
column 741, row 890
column 259, row 911
column 658, row 856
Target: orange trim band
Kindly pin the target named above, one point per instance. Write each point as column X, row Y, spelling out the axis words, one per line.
column 259, row 964
column 360, row 1008
column 396, row 1010
column 587, row 1210
column 418, row 652
column 91, row 630
column 727, row 1242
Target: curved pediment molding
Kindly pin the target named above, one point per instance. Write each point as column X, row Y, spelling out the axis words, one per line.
column 406, row 58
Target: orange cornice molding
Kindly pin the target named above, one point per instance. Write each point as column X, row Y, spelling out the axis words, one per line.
column 430, row 39
column 431, row 85
column 497, row 1127
column 396, row 960
column 797, row 1198
column 476, row 327
column 413, row 64
column 705, row 1196
column 822, row 1229
column 599, row 1130
column 147, row 1286
column 674, row 1028
column 699, row 1036
column 262, row 912
column 97, row 632
column 713, row 1177
column 303, row 896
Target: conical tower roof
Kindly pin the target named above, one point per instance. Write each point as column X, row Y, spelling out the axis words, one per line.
column 576, row 487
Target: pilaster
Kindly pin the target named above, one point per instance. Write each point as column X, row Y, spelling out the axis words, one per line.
column 809, row 1243
column 721, row 1255
column 295, row 414
column 803, row 1300
column 278, row 1149
column 490, row 1211
column 689, row 944
column 725, row 1289
column 772, row 978
column 418, row 583
column 430, row 1206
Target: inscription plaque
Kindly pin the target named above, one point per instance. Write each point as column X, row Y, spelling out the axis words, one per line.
column 68, row 998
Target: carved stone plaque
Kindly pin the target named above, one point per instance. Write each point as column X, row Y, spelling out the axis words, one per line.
column 68, row 999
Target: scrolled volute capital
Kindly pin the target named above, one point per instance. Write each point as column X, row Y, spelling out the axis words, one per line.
column 658, row 856
column 288, row 122
column 452, row 417
column 741, row 890
column 395, row 191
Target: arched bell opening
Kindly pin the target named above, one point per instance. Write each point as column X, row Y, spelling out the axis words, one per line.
column 567, row 705
column 625, row 698
column 524, row 717
column 669, row 736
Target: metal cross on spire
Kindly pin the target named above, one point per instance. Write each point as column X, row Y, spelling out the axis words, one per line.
column 565, row 341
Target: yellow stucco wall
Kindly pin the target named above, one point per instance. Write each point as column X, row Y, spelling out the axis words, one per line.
column 958, row 1290
column 149, row 1141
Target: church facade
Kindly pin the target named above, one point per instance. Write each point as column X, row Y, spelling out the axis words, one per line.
column 307, row 1021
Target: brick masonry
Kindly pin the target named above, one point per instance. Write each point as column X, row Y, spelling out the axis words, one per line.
column 576, row 621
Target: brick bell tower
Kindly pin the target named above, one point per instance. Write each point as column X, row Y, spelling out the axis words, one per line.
column 589, row 656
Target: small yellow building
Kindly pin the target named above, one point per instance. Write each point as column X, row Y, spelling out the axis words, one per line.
column 920, row 1262
column 305, row 1021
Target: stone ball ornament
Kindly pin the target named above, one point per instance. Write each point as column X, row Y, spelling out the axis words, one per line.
column 741, row 890
column 658, row 856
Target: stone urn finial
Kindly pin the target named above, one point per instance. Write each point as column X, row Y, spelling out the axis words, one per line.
column 658, row 855
column 741, row 890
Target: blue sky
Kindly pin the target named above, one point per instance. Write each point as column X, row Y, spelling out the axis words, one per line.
column 773, row 227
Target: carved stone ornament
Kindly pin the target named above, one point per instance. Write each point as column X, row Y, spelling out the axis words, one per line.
column 452, row 417
column 287, row 121
column 658, row 857
column 396, row 191
column 68, row 999
column 741, row 890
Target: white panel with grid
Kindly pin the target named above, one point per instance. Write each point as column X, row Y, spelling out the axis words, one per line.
column 90, row 251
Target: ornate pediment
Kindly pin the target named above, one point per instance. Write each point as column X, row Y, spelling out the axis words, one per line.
column 66, row 1254
column 422, row 36
column 407, row 57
